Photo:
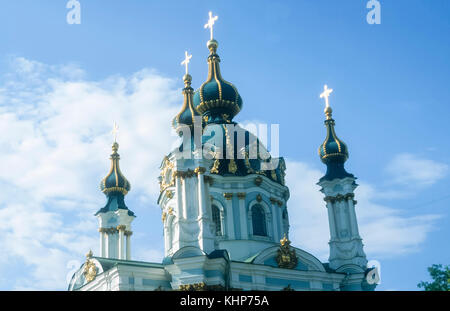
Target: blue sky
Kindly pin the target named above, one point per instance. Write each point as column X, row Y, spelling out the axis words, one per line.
column 62, row 85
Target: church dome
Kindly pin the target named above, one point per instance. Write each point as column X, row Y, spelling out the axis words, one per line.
column 115, row 181
column 216, row 98
column 332, row 150
column 223, row 142
column 188, row 112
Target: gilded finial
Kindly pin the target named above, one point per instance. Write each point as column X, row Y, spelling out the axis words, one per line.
column 89, row 254
column 187, row 79
column 326, row 94
column 115, row 148
column 212, row 46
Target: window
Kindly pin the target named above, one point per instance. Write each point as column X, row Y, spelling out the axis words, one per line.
column 259, row 220
column 216, row 219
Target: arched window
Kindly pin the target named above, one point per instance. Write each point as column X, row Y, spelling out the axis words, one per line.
column 216, row 219
column 259, row 220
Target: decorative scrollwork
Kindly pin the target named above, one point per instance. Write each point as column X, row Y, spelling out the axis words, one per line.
column 193, row 287
column 167, row 176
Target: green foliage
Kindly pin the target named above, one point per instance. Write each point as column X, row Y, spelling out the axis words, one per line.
column 441, row 279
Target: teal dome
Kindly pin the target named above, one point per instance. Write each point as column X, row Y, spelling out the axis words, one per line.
column 216, row 99
column 333, row 152
column 115, row 186
column 115, row 182
column 233, row 159
column 188, row 112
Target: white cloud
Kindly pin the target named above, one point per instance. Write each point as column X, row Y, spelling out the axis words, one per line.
column 55, row 148
column 386, row 231
column 411, row 170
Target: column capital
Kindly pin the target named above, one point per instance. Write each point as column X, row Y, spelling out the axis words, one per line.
column 228, row 195
column 241, row 195
column 200, row 170
column 128, row 233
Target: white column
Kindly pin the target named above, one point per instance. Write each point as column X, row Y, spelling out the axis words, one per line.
column 184, row 198
column 243, row 216
column 121, row 242
column 274, row 223
column 201, row 194
column 229, row 209
column 352, row 215
column 128, row 245
column 331, row 220
column 341, row 206
column 107, row 248
column 102, row 242
column 280, row 223
column 178, row 191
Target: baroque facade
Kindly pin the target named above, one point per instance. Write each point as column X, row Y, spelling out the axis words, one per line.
column 224, row 210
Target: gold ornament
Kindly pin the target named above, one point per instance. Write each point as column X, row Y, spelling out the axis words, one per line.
column 232, row 167
column 167, row 176
column 215, row 168
column 286, row 257
column 228, row 196
column 90, row 270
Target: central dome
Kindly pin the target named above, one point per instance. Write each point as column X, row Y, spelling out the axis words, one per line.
column 217, row 99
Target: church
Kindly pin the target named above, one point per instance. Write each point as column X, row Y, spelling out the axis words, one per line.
column 224, row 205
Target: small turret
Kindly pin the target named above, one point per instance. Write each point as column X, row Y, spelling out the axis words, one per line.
column 115, row 217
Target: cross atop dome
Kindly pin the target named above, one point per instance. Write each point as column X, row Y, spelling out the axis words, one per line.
column 210, row 24
column 115, row 131
column 326, row 93
column 186, row 61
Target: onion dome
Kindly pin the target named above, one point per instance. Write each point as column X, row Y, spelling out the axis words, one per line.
column 333, row 152
column 188, row 113
column 115, row 181
column 115, row 186
column 216, row 99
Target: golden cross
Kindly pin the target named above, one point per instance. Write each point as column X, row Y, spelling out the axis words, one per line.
column 186, row 61
column 115, row 131
column 210, row 23
column 326, row 93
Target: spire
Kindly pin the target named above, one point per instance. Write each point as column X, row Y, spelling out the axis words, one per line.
column 333, row 152
column 218, row 100
column 188, row 112
column 114, row 185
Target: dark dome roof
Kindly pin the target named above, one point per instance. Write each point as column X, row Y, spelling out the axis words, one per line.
column 188, row 112
column 115, row 181
column 333, row 151
column 217, row 98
